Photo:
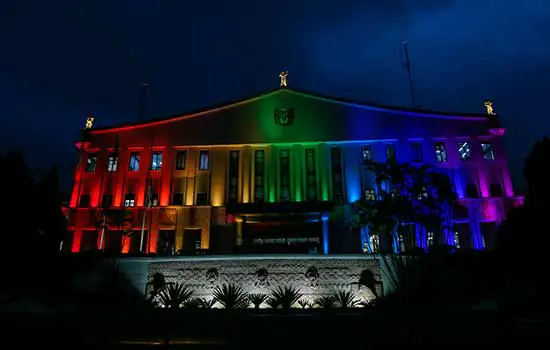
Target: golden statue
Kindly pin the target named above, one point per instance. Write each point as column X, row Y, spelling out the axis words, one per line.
column 489, row 107
column 89, row 122
column 283, row 76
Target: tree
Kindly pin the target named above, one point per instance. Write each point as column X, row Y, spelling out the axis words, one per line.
column 523, row 239
column 32, row 225
column 18, row 223
column 121, row 220
column 405, row 194
column 51, row 223
column 536, row 176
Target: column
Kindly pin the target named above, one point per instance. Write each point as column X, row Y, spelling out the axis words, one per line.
column 168, row 163
column 119, row 184
column 272, row 174
column 239, row 236
column 297, row 168
column 323, row 171
column 245, row 173
column 145, row 164
column 475, row 230
column 77, row 237
column 324, row 224
column 351, row 155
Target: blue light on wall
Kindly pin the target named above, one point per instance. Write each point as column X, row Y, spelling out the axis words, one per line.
column 324, row 223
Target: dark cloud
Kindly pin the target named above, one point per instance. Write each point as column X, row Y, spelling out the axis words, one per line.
column 64, row 59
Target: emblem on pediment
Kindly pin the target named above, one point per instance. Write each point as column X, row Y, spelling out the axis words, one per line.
column 284, row 116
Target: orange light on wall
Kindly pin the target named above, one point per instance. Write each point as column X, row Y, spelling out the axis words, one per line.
column 126, row 245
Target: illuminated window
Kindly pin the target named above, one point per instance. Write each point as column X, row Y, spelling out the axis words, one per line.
column 464, row 150
column 202, row 198
column 430, row 239
column 401, row 242
column 440, row 152
column 366, row 155
column 91, row 162
column 113, row 162
column 390, row 153
column 181, row 157
column 259, row 173
column 107, row 201
column 153, row 200
column 370, row 194
column 417, row 155
column 204, row 160
column 284, row 172
column 133, row 165
column 233, row 175
column 456, row 238
column 130, row 200
column 374, row 243
column 156, row 161
column 487, row 149
column 84, row 201
column 311, row 175
column 177, row 198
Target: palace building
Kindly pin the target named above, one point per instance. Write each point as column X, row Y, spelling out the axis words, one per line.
column 264, row 174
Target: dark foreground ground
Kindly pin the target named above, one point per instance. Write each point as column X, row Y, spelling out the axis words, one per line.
column 222, row 330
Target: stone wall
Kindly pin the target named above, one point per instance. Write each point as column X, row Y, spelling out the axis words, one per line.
column 314, row 276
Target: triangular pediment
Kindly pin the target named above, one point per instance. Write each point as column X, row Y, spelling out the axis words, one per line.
column 294, row 116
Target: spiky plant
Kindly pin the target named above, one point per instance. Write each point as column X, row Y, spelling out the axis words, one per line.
column 345, row 299
column 231, row 296
column 273, row 303
column 286, row 297
column 326, row 302
column 157, row 283
column 365, row 303
column 208, row 303
column 173, row 295
column 192, row 303
column 304, row 304
column 257, row 300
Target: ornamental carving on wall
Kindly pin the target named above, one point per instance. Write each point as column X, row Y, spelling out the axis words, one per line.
column 261, row 278
column 312, row 276
column 284, row 116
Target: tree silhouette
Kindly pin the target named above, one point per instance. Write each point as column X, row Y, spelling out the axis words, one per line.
column 405, row 194
column 536, row 176
column 32, row 225
column 523, row 238
column 51, row 222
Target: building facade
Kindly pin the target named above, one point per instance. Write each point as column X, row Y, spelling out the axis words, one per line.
column 264, row 175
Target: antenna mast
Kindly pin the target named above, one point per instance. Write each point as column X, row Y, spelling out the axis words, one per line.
column 407, row 65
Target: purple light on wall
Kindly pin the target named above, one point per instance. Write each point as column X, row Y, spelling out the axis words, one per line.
column 483, row 183
column 508, row 188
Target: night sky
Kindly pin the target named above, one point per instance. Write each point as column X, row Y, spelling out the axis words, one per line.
column 61, row 60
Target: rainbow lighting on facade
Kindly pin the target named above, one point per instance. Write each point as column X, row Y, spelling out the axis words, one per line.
column 262, row 175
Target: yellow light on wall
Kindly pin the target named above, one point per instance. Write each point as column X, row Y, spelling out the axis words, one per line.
column 216, row 199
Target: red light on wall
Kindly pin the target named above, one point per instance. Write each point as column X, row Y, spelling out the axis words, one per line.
column 229, row 219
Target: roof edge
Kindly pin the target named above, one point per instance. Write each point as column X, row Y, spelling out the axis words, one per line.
column 305, row 93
